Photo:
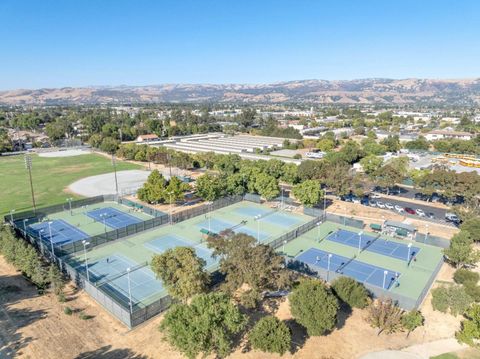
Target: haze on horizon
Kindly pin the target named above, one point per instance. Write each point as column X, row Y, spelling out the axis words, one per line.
column 72, row 44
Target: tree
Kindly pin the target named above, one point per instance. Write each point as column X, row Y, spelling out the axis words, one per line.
column 109, row 145
column 412, row 320
column 181, row 271
column 271, row 335
column 175, row 190
column 55, row 278
column 384, row 315
column 470, row 329
column 267, row 186
column 461, row 252
column 351, row 292
column 314, row 306
column 153, row 191
column 371, row 164
column 308, row 192
column 210, row 187
column 392, row 143
column 464, row 276
column 472, row 226
column 205, row 326
column 245, row 262
column 452, row 297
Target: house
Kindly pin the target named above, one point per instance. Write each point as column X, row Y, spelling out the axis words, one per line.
column 443, row 134
column 147, row 138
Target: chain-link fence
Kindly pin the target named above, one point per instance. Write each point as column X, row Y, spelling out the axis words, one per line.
column 346, row 221
column 432, row 240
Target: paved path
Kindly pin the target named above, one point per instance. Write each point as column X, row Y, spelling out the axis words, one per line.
column 419, row 351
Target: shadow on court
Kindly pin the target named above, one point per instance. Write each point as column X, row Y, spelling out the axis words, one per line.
column 107, row 352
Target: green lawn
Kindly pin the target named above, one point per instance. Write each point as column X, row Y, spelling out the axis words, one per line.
column 50, row 178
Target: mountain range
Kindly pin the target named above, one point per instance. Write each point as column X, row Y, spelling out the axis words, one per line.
column 461, row 92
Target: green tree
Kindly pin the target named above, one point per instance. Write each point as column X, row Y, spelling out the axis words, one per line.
column 175, row 190
column 314, row 306
column 308, row 192
column 205, row 326
column 109, row 145
column 412, row 320
column 210, row 187
column 384, row 315
column 56, row 280
column 452, row 297
column 271, row 335
column 472, row 226
column 464, row 276
column 245, row 262
column 470, row 329
column 371, row 164
column 153, row 190
column 181, row 271
column 461, row 252
column 351, row 292
column 267, row 186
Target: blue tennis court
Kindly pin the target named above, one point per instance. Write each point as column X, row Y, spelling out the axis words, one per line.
column 142, row 280
column 360, row 271
column 62, row 232
column 113, row 217
column 217, row 225
column 374, row 244
column 273, row 216
column 168, row 241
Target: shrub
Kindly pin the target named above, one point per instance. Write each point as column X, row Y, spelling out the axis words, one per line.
column 271, row 335
column 472, row 290
column 351, row 292
column 454, row 298
column 470, row 331
column 462, row 276
column 68, row 311
column 384, row 315
column 412, row 320
column 314, row 306
column 84, row 316
column 250, row 298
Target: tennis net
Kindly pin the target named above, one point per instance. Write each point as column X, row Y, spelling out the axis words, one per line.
column 118, row 275
column 369, row 243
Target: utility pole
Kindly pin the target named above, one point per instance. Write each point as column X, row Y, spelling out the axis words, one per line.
column 28, row 166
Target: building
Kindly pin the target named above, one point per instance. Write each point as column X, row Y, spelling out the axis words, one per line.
column 443, row 134
column 147, row 138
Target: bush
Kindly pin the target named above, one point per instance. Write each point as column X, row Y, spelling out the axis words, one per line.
column 462, row 276
column 84, row 316
column 250, row 298
column 384, row 315
column 271, row 335
column 470, row 332
column 412, row 320
column 68, row 311
column 351, row 292
column 472, row 290
column 454, row 298
column 314, row 306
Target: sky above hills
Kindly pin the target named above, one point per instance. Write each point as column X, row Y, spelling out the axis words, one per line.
column 110, row 42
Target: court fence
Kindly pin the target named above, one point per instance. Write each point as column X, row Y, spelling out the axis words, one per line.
column 432, row 240
column 256, row 198
column 297, row 232
column 346, row 221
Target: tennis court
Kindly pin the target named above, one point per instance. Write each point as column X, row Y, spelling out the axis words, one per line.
column 169, row 241
column 61, row 232
column 113, row 217
column 375, row 244
column 272, row 216
column 217, row 225
column 360, row 271
column 110, row 272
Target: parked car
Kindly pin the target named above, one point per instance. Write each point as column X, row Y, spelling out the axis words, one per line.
column 452, row 217
column 389, row 206
column 399, row 209
column 364, row 201
column 431, row 215
column 356, row 200
column 375, row 195
column 380, row 204
column 372, row 203
column 409, row 210
column 420, row 212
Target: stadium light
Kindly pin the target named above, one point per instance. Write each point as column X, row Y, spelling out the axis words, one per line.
column 51, row 240
column 385, row 272
column 426, row 233
column 318, row 229
column 328, row 266
column 28, row 166
column 25, row 227
column 408, row 256
column 129, row 290
column 69, row 200
column 257, row 218
column 11, row 215
column 360, row 241
column 85, row 244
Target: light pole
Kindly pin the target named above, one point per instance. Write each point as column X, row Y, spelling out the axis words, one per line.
column 69, row 200
column 383, row 222
column 129, row 290
column 426, row 233
column 257, row 218
column 328, row 266
column 102, row 216
column 25, row 227
column 282, row 202
column 408, row 256
column 115, row 171
column 360, row 242
column 283, row 249
column 51, row 240
column 170, row 208
column 345, row 217
column 28, row 166
column 11, row 215
column 318, row 230
column 385, row 272
column 85, row 244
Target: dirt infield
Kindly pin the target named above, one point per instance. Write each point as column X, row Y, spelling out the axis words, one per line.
column 66, row 153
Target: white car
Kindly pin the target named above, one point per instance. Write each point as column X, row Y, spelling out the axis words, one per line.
column 399, row 209
column 380, row 205
column 389, row 205
column 420, row 212
column 372, row 203
column 375, row 195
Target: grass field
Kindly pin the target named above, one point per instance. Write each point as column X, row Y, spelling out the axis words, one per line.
column 413, row 278
column 50, row 178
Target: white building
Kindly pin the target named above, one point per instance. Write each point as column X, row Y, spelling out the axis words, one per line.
column 443, row 134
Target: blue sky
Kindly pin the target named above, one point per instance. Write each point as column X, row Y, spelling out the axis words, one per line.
column 101, row 42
